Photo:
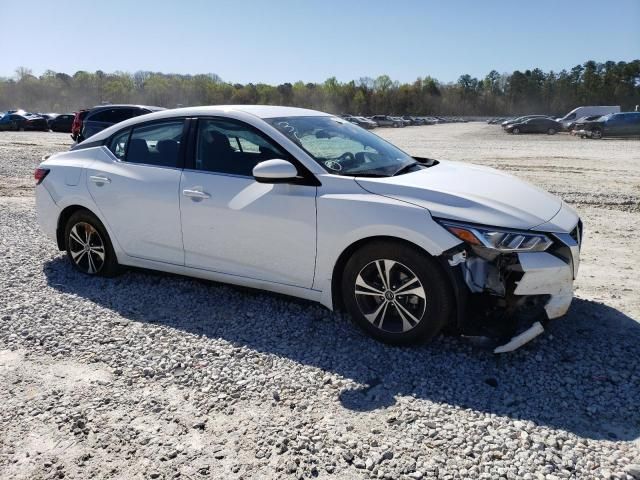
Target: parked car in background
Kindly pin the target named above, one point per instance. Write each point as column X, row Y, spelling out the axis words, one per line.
column 510, row 121
column 304, row 203
column 403, row 122
column 626, row 124
column 62, row 123
column 367, row 123
column 535, row 125
column 587, row 111
column 579, row 124
column 360, row 121
column 99, row 118
column 387, row 121
column 413, row 120
column 16, row 122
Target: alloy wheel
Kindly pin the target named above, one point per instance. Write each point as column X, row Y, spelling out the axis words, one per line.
column 390, row 296
column 86, row 248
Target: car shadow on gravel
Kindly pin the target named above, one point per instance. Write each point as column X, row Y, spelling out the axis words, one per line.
column 581, row 376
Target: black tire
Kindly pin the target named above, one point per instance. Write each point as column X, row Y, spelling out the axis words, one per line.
column 551, row 131
column 392, row 315
column 515, row 131
column 84, row 228
column 596, row 133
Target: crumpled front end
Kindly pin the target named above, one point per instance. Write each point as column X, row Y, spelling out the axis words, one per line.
column 509, row 296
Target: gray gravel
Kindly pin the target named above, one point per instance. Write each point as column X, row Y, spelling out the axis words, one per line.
column 156, row 376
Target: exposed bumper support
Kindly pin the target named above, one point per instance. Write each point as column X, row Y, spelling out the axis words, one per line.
column 519, row 340
column 522, row 290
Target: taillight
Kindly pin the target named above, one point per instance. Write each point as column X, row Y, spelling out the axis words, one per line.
column 39, row 174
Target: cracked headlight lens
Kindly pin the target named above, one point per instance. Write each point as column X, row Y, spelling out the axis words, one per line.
column 499, row 239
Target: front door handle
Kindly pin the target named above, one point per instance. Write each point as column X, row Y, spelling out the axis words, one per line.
column 195, row 194
column 99, row 179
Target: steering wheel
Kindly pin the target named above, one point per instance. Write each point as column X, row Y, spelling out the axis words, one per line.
column 333, row 165
column 336, row 164
column 348, row 156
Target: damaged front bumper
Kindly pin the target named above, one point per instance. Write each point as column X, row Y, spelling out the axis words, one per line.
column 509, row 296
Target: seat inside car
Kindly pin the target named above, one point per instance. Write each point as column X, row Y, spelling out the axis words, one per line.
column 215, row 152
column 138, row 151
column 167, row 153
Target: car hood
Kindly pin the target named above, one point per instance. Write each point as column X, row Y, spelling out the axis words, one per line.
column 470, row 193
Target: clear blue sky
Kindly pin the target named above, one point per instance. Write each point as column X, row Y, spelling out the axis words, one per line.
column 287, row 40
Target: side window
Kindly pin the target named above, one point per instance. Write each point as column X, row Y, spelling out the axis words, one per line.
column 571, row 117
column 157, row 144
column 233, row 148
column 121, row 114
column 101, row 116
column 118, row 145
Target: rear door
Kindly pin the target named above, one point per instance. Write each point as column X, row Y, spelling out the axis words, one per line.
column 235, row 225
column 615, row 125
column 633, row 124
column 136, row 189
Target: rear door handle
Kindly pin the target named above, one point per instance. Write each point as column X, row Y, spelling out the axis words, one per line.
column 99, row 179
column 195, row 194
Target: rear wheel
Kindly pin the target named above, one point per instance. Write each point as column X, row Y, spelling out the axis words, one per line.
column 551, row 131
column 395, row 293
column 88, row 246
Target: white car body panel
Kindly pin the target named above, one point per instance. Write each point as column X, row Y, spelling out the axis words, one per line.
column 348, row 214
column 140, row 204
column 288, row 238
column 546, row 274
column 262, row 231
column 471, row 193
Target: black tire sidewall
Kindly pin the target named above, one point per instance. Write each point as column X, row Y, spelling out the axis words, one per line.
column 110, row 267
column 436, row 284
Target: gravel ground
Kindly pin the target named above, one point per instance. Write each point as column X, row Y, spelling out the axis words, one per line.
column 156, row 376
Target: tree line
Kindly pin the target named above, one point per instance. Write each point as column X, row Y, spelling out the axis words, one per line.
column 519, row 92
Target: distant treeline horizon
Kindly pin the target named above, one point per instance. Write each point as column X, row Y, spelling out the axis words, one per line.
column 519, row 92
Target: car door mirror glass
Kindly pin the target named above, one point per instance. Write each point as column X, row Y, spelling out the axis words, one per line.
column 275, row 171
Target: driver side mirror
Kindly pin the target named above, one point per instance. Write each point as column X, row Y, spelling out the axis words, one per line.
column 275, row 171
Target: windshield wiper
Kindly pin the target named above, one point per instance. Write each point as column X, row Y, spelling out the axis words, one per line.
column 405, row 168
column 373, row 175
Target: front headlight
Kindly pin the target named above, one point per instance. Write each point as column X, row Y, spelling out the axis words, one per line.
column 502, row 240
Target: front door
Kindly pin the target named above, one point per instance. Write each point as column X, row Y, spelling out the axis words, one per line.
column 136, row 187
column 231, row 223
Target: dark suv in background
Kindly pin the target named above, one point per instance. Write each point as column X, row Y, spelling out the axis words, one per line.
column 626, row 124
column 99, row 118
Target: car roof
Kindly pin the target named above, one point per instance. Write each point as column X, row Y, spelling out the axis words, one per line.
column 124, row 105
column 259, row 111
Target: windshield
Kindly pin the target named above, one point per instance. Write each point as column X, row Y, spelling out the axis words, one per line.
column 341, row 147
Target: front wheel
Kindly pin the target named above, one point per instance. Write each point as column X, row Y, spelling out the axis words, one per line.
column 88, row 245
column 516, row 131
column 596, row 133
column 551, row 131
column 395, row 293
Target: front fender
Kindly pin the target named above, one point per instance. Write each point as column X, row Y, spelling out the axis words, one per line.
column 347, row 218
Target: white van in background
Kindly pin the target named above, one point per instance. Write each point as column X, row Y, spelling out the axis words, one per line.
column 580, row 112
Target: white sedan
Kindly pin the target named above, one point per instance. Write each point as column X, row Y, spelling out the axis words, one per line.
column 307, row 204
